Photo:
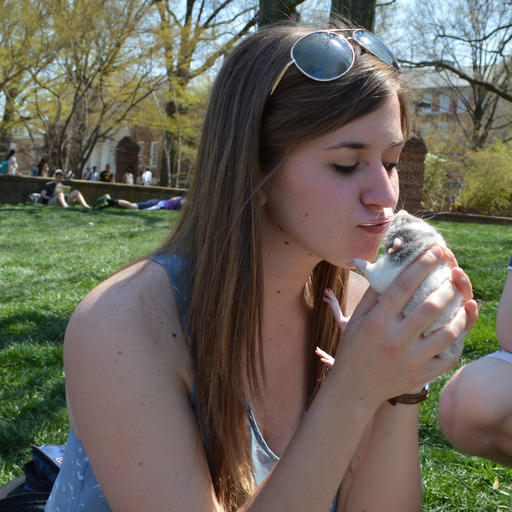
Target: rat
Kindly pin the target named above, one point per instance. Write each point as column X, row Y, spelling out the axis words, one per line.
column 406, row 238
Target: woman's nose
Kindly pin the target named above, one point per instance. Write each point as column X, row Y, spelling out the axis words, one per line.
column 381, row 190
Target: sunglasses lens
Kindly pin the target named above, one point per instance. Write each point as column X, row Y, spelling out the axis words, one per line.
column 323, row 55
column 374, row 45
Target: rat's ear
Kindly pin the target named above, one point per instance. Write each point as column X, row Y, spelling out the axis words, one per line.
column 397, row 245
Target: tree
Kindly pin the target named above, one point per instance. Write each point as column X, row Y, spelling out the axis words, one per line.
column 24, row 51
column 362, row 12
column 194, row 36
column 470, row 40
column 103, row 68
column 272, row 11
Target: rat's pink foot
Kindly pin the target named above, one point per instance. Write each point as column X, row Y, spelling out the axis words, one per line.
column 340, row 318
column 324, row 357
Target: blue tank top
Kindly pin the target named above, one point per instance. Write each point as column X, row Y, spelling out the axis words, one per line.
column 77, row 489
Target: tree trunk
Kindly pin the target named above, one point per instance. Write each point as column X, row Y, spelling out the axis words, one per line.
column 361, row 12
column 272, row 11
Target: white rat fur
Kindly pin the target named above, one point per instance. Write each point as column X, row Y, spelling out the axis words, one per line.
column 406, row 239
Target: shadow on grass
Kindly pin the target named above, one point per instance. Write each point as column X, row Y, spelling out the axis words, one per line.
column 33, row 327
column 150, row 217
column 17, row 434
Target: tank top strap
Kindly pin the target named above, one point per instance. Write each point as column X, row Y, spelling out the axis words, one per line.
column 178, row 270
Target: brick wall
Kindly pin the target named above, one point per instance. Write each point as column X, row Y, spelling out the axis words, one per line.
column 14, row 189
column 410, row 171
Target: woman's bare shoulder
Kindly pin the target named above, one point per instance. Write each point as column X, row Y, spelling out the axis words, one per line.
column 134, row 310
column 129, row 382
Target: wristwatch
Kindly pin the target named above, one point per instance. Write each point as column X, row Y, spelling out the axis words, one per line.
column 413, row 398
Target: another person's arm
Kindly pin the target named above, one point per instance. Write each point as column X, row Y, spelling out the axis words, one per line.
column 504, row 314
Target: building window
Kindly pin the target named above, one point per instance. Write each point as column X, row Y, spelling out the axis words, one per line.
column 426, row 103
column 444, row 103
column 463, row 103
column 155, row 146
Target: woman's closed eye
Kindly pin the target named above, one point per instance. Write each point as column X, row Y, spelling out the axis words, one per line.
column 345, row 169
column 350, row 169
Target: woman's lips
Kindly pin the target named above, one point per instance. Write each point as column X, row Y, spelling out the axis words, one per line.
column 378, row 226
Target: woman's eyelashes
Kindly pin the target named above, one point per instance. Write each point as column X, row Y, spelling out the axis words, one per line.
column 345, row 169
column 350, row 169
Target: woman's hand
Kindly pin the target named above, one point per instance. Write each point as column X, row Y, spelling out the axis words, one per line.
column 384, row 354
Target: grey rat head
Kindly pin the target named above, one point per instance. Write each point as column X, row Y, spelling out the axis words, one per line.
column 407, row 237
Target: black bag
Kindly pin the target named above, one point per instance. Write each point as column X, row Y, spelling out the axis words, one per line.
column 30, row 492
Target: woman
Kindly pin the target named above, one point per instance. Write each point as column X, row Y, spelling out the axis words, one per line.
column 12, row 164
column 192, row 381
column 41, row 169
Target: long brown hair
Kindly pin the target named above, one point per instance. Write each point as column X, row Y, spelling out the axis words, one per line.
column 247, row 135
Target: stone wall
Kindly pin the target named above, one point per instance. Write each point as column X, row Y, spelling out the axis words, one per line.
column 14, row 189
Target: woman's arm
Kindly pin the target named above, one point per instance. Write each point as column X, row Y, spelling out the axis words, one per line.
column 129, row 378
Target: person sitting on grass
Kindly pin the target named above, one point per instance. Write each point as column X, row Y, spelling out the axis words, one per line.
column 174, row 203
column 475, row 411
column 53, row 194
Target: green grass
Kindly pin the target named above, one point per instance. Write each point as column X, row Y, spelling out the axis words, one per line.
column 50, row 258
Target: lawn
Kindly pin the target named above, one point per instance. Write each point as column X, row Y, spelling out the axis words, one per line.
column 50, row 258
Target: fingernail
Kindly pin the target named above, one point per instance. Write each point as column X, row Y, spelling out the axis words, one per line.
column 437, row 252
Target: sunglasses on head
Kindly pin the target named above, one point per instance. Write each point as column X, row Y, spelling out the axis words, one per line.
column 326, row 55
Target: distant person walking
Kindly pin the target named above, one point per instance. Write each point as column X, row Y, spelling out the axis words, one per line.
column 92, row 175
column 147, row 177
column 106, row 175
column 10, row 165
column 128, row 177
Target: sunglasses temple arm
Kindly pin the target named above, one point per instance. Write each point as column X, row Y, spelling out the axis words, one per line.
column 279, row 78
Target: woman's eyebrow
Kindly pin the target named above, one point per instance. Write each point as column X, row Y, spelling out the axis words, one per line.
column 361, row 145
column 349, row 144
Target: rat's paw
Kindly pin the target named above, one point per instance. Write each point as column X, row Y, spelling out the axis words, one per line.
column 324, row 357
column 358, row 263
column 331, row 299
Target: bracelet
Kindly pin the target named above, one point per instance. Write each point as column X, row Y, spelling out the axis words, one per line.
column 414, row 398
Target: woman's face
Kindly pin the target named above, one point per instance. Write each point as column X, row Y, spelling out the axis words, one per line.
column 331, row 198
